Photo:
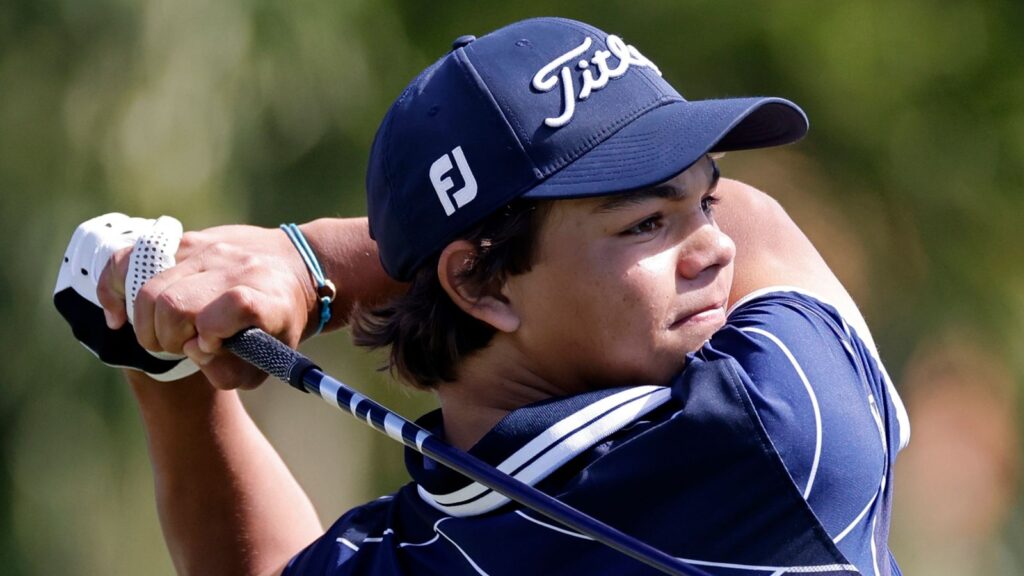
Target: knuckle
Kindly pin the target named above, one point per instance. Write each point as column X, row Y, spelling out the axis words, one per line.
column 219, row 250
column 168, row 303
column 148, row 340
column 191, row 239
column 253, row 265
column 147, row 295
column 244, row 300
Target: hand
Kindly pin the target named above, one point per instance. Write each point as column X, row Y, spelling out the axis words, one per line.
column 90, row 248
column 226, row 279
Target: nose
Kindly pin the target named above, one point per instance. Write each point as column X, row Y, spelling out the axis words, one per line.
column 706, row 249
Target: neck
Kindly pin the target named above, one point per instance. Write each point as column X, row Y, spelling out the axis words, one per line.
column 491, row 383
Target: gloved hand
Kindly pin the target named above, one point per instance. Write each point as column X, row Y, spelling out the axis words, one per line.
column 92, row 244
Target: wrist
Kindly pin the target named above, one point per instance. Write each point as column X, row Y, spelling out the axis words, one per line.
column 319, row 311
column 305, row 292
column 349, row 258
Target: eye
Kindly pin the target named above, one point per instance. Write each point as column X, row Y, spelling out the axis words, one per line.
column 708, row 203
column 645, row 226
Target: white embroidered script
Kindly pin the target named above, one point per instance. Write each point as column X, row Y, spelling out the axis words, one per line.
column 547, row 78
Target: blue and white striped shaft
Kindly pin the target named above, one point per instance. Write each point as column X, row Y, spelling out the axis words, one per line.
column 273, row 357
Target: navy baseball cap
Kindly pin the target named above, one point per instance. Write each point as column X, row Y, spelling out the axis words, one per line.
column 543, row 108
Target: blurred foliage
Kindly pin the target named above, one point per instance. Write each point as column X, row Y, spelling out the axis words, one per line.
column 253, row 111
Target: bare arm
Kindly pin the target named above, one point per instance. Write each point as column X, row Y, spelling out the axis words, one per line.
column 232, row 277
column 227, row 503
column 771, row 250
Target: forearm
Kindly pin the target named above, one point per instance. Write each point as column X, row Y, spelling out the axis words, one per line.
column 227, row 503
column 771, row 250
column 349, row 258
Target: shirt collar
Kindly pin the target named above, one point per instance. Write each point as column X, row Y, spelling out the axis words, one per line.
column 530, row 443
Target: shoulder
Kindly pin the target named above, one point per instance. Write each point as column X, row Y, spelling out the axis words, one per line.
column 811, row 370
column 786, row 337
column 794, row 329
column 790, row 319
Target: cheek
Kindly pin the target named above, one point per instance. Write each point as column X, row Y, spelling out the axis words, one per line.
column 625, row 314
column 650, row 287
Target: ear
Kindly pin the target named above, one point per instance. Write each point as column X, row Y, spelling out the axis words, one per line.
column 485, row 303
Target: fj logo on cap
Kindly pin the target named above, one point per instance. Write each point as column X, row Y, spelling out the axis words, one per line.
column 546, row 78
column 439, row 171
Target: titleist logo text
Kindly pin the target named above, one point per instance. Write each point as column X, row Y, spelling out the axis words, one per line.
column 547, row 77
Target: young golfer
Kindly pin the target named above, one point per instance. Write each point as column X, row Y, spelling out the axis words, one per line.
column 599, row 314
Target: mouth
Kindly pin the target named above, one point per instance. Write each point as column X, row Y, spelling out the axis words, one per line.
column 712, row 314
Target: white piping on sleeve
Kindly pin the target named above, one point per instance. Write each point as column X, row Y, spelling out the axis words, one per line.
column 814, row 404
column 348, row 543
column 852, row 315
column 475, row 566
column 553, row 527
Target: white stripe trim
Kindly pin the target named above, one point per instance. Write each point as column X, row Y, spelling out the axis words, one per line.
column 428, row 542
column 416, row 544
column 814, row 404
column 378, row 538
column 874, row 549
column 438, row 534
column 421, row 437
column 476, row 567
column 553, row 527
column 565, row 449
column 877, row 417
column 854, row 317
column 348, row 543
column 846, row 531
column 553, row 435
column 776, row 569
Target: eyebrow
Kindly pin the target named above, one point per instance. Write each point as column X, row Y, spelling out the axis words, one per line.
column 626, row 199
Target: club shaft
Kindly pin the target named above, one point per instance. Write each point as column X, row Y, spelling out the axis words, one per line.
column 273, row 357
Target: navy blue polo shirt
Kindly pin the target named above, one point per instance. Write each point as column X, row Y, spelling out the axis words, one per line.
column 771, row 453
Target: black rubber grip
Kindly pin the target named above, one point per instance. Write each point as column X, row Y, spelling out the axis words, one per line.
column 270, row 355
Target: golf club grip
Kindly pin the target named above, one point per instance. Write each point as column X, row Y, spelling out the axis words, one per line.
column 270, row 355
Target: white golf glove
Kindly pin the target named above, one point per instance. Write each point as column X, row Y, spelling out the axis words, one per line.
column 93, row 243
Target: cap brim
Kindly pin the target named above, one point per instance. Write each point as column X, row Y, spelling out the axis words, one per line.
column 669, row 139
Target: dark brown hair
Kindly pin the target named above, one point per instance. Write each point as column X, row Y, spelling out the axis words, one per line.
column 428, row 335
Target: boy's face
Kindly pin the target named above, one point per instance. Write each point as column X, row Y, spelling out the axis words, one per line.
column 623, row 287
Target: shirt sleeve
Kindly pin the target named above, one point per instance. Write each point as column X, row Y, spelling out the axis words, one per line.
column 337, row 552
column 821, row 395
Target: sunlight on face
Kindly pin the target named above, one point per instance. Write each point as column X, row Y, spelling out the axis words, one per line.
column 623, row 287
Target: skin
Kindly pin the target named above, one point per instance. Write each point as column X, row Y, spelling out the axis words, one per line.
column 648, row 283
column 231, row 277
column 223, row 493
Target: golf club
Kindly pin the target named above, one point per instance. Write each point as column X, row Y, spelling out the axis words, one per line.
column 275, row 358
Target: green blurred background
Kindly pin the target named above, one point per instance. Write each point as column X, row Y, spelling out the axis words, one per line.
column 910, row 183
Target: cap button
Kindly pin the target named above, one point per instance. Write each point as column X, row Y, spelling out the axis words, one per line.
column 462, row 41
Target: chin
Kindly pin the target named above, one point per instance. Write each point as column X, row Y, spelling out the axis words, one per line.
column 702, row 338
